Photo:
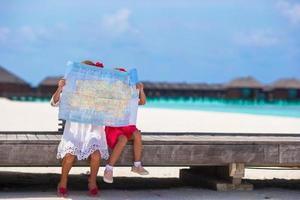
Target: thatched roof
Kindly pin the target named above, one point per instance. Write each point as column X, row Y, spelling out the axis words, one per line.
column 50, row 81
column 244, row 82
column 8, row 77
column 288, row 83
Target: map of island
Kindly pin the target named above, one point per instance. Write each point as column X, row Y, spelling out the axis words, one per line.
column 99, row 96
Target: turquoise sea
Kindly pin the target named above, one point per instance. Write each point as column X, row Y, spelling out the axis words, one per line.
column 280, row 108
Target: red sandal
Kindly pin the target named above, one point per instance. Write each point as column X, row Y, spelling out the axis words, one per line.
column 94, row 192
column 62, row 192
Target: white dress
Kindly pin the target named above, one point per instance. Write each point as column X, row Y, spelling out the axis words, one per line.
column 82, row 140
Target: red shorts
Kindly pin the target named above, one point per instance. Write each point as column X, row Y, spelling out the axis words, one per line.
column 113, row 133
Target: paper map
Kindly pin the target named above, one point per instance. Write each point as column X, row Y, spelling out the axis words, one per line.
column 99, row 96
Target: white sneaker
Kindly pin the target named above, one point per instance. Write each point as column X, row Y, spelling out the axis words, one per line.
column 108, row 176
column 139, row 170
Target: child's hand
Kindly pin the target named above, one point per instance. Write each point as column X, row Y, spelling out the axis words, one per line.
column 61, row 83
column 139, row 86
column 142, row 98
column 56, row 95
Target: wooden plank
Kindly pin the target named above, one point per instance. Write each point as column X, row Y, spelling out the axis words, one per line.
column 198, row 139
column 42, row 137
column 153, row 155
column 11, row 137
column 21, row 137
column 58, row 137
column 220, row 139
column 3, row 136
column 297, row 135
column 223, row 134
column 52, row 137
column 209, row 154
column 212, row 180
column 181, row 140
column 32, row 137
column 289, row 154
column 28, row 155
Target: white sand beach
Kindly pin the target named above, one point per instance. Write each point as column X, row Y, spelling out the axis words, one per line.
column 165, row 194
column 31, row 116
column 176, row 193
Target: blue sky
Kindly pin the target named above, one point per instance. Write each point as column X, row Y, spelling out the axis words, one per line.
column 172, row 40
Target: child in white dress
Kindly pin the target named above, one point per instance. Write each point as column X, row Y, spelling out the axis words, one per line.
column 81, row 141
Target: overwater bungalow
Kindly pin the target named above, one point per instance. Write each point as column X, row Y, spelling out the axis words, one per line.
column 13, row 86
column 285, row 89
column 245, row 88
column 159, row 89
column 163, row 89
column 214, row 91
column 47, row 87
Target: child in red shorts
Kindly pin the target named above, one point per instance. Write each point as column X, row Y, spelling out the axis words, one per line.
column 117, row 138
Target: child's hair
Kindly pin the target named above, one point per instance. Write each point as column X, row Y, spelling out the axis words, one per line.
column 88, row 62
column 97, row 64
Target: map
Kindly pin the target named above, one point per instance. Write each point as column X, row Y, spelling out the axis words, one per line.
column 99, row 96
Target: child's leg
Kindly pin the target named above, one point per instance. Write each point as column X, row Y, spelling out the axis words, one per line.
column 108, row 173
column 137, row 145
column 122, row 141
column 67, row 163
column 94, row 165
column 137, row 148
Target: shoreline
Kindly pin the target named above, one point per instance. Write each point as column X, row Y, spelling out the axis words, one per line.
column 32, row 116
